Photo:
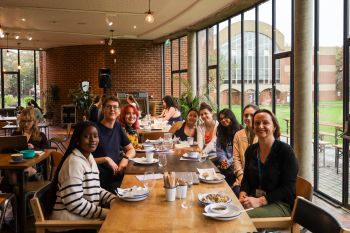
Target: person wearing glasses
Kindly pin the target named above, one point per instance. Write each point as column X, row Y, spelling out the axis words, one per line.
column 243, row 138
column 114, row 148
column 228, row 126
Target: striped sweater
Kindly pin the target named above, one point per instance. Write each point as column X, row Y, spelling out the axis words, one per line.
column 79, row 194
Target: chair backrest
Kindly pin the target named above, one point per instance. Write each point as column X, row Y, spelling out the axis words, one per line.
column 314, row 218
column 69, row 127
column 304, row 188
column 40, row 202
column 55, row 161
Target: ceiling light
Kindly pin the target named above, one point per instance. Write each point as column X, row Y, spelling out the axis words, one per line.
column 149, row 17
column 16, row 37
column 112, row 51
column 134, row 26
column 110, row 41
column 1, row 32
column 102, row 41
column 109, row 21
column 29, row 37
column 2, row 35
column 23, row 19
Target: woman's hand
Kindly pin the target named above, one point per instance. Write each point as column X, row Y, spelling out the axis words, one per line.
column 253, row 202
column 112, row 165
column 123, row 164
column 30, row 146
column 242, row 196
column 224, row 164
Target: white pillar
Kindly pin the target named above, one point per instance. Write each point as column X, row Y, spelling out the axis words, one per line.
column 303, row 51
column 191, row 61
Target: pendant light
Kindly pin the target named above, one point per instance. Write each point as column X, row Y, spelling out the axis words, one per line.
column 149, row 17
column 7, row 44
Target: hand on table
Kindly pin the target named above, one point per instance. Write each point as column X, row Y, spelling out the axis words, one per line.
column 30, row 146
column 123, row 164
column 112, row 165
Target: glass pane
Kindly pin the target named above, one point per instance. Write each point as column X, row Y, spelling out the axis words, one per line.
column 212, row 45
column 249, row 57
column 283, row 25
column 10, row 59
column 10, row 90
column 167, row 69
column 265, row 55
column 223, row 58
column 330, row 96
column 282, row 97
column 184, row 80
column 176, row 85
column 183, row 50
column 27, row 90
column 236, row 76
column 212, row 88
column 38, row 79
column 202, row 64
column 175, row 54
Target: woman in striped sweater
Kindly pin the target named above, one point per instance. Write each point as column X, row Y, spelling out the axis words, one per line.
column 76, row 182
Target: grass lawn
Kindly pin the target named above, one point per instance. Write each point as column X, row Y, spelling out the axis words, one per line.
column 329, row 111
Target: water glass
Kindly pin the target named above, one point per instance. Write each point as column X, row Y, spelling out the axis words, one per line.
column 149, row 180
column 187, row 202
column 189, row 179
column 162, row 161
column 168, row 136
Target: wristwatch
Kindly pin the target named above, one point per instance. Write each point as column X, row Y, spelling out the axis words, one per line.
column 125, row 157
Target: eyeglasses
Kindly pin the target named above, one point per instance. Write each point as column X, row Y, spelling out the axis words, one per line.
column 115, row 107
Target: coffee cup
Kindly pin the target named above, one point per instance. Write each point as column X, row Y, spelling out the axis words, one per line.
column 148, row 147
column 170, row 194
column 149, row 156
column 190, row 140
column 17, row 157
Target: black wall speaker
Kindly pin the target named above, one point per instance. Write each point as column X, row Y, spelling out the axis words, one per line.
column 104, row 78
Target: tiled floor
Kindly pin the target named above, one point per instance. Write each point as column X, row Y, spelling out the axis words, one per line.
column 330, row 182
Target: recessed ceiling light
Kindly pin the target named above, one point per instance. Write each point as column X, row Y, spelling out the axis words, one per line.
column 17, row 37
column 135, row 27
column 102, row 41
column 30, row 38
column 23, row 19
column 2, row 35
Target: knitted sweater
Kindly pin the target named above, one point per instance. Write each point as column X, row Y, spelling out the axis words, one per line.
column 79, row 195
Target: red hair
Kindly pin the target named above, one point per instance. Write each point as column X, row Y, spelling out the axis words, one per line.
column 122, row 121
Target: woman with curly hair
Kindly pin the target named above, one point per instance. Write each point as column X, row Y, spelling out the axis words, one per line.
column 129, row 119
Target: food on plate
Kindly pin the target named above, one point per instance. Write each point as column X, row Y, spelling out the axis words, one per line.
column 215, row 198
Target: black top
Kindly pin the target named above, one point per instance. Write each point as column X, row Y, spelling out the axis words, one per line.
column 93, row 113
column 278, row 173
column 180, row 133
column 40, row 144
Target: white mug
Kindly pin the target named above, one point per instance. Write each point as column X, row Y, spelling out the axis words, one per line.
column 149, row 156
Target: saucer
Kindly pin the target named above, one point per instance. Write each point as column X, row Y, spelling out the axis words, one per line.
column 13, row 161
column 143, row 160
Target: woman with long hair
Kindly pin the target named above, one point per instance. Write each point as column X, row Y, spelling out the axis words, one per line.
column 243, row 138
column 132, row 101
column 75, row 192
column 188, row 128
column 93, row 109
column 171, row 112
column 270, row 171
column 228, row 126
column 206, row 134
column 129, row 119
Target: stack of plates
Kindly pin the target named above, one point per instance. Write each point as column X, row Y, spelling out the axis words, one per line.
column 221, row 211
column 212, row 179
column 134, row 193
column 143, row 160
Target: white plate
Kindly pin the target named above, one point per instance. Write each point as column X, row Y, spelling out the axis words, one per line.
column 210, row 180
column 144, row 151
column 203, row 195
column 189, row 157
column 132, row 199
column 232, row 213
column 144, row 161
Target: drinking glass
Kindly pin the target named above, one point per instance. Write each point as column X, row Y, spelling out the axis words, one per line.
column 149, row 180
column 189, row 179
column 162, row 160
column 187, row 202
column 203, row 156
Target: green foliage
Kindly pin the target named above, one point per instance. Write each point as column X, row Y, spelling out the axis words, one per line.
column 81, row 99
column 10, row 101
column 25, row 100
column 188, row 101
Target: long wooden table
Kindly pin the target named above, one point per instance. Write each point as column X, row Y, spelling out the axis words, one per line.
column 155, row 214
column 174, row 164
column 18, row 168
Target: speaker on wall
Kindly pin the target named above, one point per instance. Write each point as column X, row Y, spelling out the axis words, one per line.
column 104, row 78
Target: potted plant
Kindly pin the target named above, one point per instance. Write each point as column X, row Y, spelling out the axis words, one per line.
column 82, row 100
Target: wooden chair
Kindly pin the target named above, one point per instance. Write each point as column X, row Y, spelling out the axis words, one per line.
column 304, row 189
column 42, row 223
column 313, row 218
column 5, row 201
column 59, row 141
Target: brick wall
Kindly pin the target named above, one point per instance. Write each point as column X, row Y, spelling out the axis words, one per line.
column 136, row 66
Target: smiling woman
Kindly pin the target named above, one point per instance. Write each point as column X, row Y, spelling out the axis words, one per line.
column 129, row 119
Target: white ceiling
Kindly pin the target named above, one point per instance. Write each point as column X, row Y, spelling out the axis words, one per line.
column 55, row 23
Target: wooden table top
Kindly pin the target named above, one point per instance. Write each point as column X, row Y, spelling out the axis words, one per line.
column 6, row 165
column 174, row 164
column 155, row 214
column 4, row 118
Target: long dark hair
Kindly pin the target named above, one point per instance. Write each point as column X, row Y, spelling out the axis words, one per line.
column 225, row 134
column 73, row 144
column 35, row 104
column 170, row 102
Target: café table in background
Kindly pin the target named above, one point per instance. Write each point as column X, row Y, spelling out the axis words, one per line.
column 156, row 215
column 19, row 168
column 152, row 134
column 44, row 127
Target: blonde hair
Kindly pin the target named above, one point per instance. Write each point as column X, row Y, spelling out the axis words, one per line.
column 29, row 114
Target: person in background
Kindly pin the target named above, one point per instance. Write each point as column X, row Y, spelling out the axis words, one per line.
column 129, row 119
column 114, row 149
column 38, row 111
column 228, row 126
column 206, row 132
column 93, row 109
column 100, row 110
column 75, row 192
column 171, row 112
column 243, row 138
column 188, row 128
column 131, row 100
column 270, row 171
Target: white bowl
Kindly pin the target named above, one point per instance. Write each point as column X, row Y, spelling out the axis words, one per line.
column 193, row 154
column 219, row 208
